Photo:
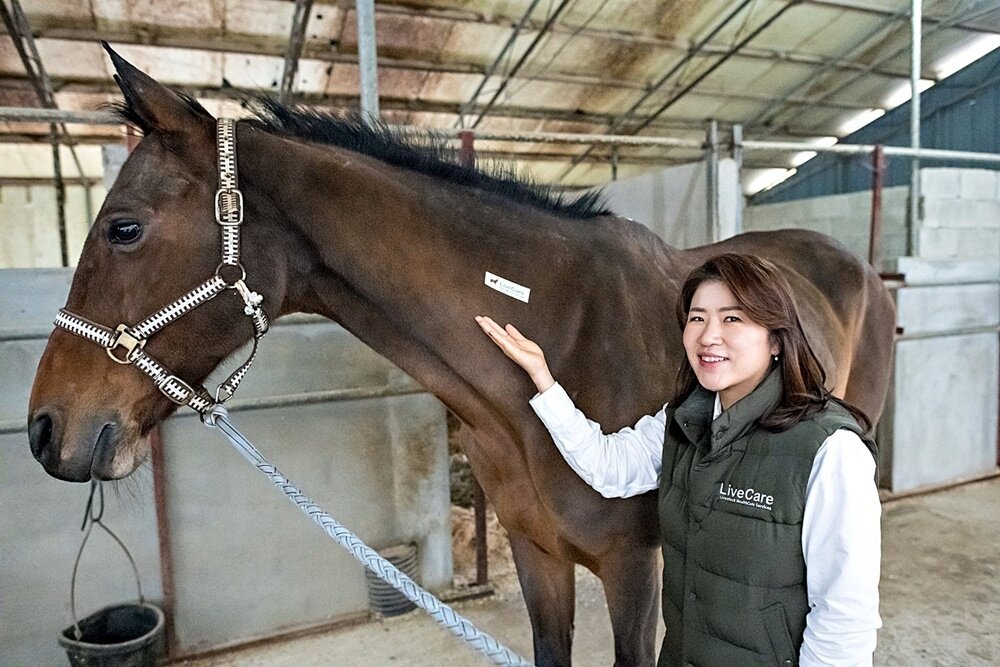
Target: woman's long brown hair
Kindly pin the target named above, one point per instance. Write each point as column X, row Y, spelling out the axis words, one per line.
column 766, row 298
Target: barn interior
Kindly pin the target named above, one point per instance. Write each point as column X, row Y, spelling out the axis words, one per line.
column 874, row 122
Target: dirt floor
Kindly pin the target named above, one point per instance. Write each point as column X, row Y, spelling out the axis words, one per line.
column 940, row 600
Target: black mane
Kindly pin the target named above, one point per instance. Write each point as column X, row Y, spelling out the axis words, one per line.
column 428, row 156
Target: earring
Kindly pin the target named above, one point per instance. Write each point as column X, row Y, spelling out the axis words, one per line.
column 774, row 357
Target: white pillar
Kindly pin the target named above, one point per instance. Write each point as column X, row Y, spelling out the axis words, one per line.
column 367, row 58
column 913, row 223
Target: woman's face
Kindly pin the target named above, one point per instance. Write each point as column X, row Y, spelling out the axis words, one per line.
column 729, row 352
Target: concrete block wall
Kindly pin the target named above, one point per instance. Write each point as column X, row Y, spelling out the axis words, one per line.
column 246, row 563
column 30, row 235
column 961, row 214
column 960, row 217
column 845, row 217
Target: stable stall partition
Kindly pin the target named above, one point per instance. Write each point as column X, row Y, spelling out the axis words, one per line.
column 216, row 545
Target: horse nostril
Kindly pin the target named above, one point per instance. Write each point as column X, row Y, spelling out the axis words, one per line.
column 40, row 433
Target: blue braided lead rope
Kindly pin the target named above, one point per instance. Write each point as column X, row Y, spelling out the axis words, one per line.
column 463, row 628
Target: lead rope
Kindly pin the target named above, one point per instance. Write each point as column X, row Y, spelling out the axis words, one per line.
column 463, row 628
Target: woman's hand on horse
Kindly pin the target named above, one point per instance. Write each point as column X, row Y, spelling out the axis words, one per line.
column 524, row 352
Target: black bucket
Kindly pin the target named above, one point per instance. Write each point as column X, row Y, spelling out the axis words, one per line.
column 383, row 598
column 125, row 635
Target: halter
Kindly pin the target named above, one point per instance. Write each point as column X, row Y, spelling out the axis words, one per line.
column 131, row 340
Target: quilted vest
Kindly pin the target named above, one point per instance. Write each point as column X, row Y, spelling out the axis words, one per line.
column 731, row 502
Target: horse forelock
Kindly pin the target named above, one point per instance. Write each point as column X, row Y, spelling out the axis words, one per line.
column 426, row 154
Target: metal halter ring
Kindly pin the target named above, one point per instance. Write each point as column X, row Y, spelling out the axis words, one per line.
column 238, row 265
column 223, row 394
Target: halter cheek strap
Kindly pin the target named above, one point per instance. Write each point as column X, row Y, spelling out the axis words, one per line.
column 125, row 343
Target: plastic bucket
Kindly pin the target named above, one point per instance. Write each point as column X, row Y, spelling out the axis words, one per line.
column 125, row 635
column 383, row 598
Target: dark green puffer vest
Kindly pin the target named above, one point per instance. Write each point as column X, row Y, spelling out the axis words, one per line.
column 731, row 502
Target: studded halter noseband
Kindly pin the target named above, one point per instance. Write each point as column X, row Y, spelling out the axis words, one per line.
column 132, row 339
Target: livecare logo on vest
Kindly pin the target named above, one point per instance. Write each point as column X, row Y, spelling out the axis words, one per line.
column 749, row 497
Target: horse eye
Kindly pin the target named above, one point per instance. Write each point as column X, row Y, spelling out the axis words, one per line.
column 125, row 232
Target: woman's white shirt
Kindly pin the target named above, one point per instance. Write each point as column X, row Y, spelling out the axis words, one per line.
column 840, row 528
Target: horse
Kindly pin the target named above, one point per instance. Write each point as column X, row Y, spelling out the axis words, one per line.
column 396, row 243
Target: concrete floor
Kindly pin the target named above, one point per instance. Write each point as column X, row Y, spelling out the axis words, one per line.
column 940, row 602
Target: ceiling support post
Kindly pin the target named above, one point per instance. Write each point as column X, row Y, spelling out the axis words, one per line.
column 293, row 51
column 737, row 148
column 913, row 219
column 712, row 180
column 367, row 59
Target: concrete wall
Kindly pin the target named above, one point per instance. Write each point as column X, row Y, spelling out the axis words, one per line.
column 29, row 236
column 845, row 217
column 673, row 202
column 961, row 214
column 29, row 233
column 246, row 562
column 941, row 420
column 960, row 220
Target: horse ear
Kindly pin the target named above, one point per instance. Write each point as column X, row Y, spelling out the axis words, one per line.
column 151, row 105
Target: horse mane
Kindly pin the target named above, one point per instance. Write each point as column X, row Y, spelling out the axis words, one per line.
column 426, row 154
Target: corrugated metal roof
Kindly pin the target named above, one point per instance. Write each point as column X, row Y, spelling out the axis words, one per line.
column 805, row 68
column 960, row 114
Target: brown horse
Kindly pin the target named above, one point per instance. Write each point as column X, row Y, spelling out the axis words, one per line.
column 394, row 244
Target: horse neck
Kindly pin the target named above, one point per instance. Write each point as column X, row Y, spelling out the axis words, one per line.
column 354, row 211
column 387, row 253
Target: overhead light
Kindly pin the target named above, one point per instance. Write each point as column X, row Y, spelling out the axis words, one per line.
column 860, row 119
column 966, row 55
column 823, row 141
column 903, row 93
column 801, row 158
column 765, row 179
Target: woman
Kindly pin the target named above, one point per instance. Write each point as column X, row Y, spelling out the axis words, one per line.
column 768, row 507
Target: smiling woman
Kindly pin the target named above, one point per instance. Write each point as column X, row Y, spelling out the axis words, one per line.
column 728, row 352
column 739, row 320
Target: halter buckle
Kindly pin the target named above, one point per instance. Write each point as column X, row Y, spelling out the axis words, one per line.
column 220, row 195
column 185, row 387
column 124, row 338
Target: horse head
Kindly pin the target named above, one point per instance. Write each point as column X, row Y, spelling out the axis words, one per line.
column 154, row 239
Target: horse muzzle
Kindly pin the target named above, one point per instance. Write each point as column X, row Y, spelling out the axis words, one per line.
column 98, row 450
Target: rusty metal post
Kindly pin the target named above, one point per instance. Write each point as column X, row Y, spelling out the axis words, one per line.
column 60, row 187
column 467, row 155
column 468, row 152
column 163, row 536
column 482, row 552
column 160, row 500
column 875, row 231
